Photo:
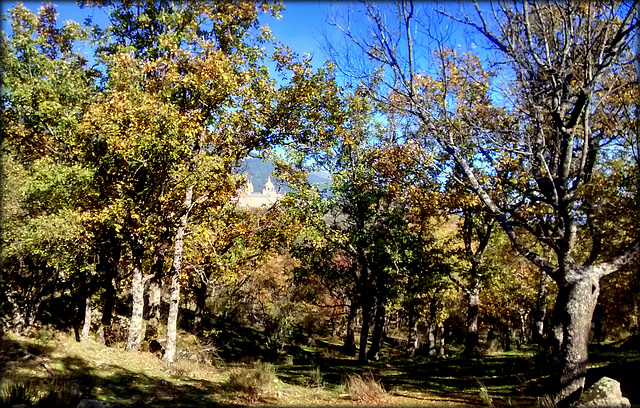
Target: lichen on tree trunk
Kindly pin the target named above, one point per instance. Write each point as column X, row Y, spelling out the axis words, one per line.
column 569, row 335
column 174, row 291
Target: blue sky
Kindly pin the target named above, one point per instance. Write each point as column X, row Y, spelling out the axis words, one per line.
column 304, row 24
column 301, row 26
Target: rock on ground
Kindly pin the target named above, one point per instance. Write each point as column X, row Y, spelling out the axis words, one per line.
column 605, row 393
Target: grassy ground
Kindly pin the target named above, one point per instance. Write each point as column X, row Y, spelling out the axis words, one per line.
column 304, row 376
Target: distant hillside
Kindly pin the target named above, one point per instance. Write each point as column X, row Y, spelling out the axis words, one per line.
column 258, row 172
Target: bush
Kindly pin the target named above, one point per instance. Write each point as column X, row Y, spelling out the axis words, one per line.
column 483, row 393
column 254, row 382
column 365, row 388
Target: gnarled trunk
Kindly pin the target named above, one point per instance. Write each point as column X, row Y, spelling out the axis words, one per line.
column 569, row 335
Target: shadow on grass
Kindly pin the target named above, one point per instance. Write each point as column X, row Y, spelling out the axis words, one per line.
column 512, row 379
column 109, row 382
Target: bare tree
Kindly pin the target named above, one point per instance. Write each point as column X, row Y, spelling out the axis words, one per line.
column 566, row 62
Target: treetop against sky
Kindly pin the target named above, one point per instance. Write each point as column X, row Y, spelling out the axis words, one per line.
column 300, row 27
column 305, row 26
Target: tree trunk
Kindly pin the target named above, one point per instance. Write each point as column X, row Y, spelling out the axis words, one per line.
column 154, row 296
column 364, row 331
column 154, row 291
column 540, row 312
column 471, row 340
column 174, row 291
column 82, row 325
column 597, row 324
column 412, row 338
column 441, row 352
column 511, row 336
column 432, row 330
column 349, row 346
column 86, row 324
column 524, row 335
column 136, row 326
column 22, row 317
column 635, row 317
column 201, row 300
column 107, row 311
column 109, row 268
column 378, row 332
column 569, row 337
column 172, row 320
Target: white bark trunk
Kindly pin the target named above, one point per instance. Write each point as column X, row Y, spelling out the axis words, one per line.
column 136, row 326
column 174, row 297
column 86, row 325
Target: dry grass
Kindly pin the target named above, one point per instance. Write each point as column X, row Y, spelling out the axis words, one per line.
column 142, row 379
column 366, row 389
column 255, row 382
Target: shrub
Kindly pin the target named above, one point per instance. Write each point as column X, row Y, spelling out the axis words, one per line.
column 483, row 393
column 365, row 388
column 254, row 382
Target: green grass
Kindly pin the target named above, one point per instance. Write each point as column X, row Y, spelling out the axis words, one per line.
column 301, row 376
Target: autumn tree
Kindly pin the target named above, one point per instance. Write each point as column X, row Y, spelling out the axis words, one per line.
column 187, row 97
column 48, row 188
column 358, row 228
column 566, row 62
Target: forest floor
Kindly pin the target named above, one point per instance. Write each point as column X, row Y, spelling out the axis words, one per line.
column 305, row 376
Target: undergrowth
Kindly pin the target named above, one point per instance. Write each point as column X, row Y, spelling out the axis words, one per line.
column 365, row 388
column 255, row 382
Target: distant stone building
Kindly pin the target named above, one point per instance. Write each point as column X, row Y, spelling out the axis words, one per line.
column 251, row 199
